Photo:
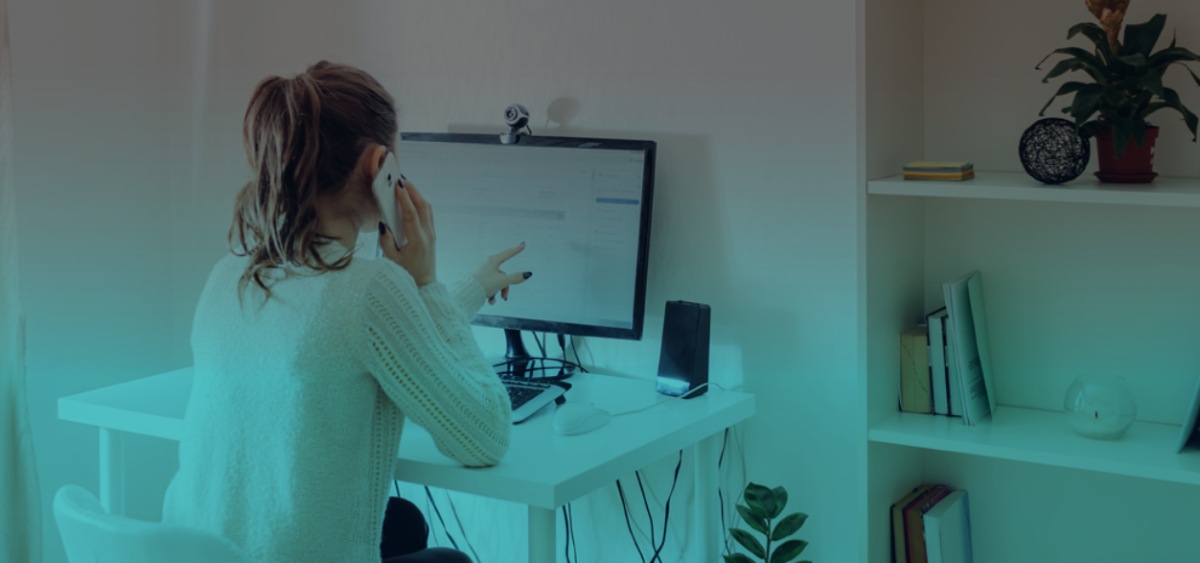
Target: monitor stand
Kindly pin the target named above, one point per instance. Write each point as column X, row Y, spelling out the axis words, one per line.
column 519, row 363
column 518, row 358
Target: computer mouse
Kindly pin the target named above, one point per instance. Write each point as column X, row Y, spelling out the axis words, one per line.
column 575, row 418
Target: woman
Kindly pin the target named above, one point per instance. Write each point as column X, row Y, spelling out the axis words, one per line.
column 308, row 360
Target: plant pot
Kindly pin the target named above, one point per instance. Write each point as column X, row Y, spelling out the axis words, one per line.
column 1136, row 165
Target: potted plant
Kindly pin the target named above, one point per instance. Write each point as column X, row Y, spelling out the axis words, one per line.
column 1125, row 87
column 762, row 507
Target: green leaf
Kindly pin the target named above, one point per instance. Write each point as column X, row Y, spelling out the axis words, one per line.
column 1172, row 55
column 1171, row 97
column 1137, row 60
column 1087, row 100
column 738, row 558
column 1121, row 132
column 1077, row 59
column 1096, row 34
column 756, row 522
column 760, row 499
column 788, row 551
column 1066, row 88
column 1137, row 130
column 749, row 542
column 1152, row 83
column 1088, row 130
column 1064, row 66
column 788, row 525
column 1140, row 38
column 1195, row 78
column 781, row 498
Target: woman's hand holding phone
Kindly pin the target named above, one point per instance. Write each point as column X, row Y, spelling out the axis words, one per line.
column 417, row 256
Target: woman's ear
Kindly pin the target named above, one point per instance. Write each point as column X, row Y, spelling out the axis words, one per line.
column 372, row 159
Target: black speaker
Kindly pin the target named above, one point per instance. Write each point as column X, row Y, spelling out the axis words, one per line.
column 683, row 362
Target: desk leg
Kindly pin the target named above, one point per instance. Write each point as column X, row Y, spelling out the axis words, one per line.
column 112, row 471
column 705, row 515
column 541, row 535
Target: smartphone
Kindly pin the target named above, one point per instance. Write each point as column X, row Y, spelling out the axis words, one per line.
column 384, row 188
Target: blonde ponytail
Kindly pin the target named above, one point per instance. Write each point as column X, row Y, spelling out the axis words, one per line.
column 303, row 137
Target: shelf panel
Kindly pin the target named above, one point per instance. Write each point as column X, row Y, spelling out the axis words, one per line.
column 1017, row 186
column 1148, row 450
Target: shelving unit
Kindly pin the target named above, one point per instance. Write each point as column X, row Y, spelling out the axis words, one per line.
column 1017, row 186
column 1080, row 277
column 1043, row 437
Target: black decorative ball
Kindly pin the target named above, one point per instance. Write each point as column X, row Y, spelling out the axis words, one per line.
column 1053, row 152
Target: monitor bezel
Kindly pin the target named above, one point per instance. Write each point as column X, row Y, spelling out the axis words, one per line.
column 648, row 149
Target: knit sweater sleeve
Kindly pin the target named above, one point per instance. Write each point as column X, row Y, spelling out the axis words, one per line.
column 419, row 347
column 468, row 294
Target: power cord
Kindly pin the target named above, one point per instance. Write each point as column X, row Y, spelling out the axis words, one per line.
column 668, row 399
column 667, row 510
column 445, row 530
column 649, row 515
column 562, row 369
column 720, row 495
column 569, row 533
column 454, row 511
column 628, row 522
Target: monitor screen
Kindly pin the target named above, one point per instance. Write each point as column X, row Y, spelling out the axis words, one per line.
column 582, row 206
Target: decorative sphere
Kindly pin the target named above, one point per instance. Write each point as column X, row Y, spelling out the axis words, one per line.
column 1052, row 151
column 1100, row 406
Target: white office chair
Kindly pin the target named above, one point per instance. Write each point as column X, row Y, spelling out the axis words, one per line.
column 91, row 535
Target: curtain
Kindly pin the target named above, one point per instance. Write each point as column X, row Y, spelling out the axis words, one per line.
column 20, row 508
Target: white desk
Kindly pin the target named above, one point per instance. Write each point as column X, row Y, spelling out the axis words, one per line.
column 541, row 470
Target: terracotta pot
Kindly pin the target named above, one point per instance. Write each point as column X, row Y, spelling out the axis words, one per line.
column 1136, row 165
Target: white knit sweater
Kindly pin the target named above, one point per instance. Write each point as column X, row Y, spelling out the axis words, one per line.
column 297, row 405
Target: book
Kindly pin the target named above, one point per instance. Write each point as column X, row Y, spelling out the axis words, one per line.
column 914, row 524
column 948, row 530
column 899, row 540
column 967, row 322
column 937, row 166
column 954, row 382
column 1188, row 429
column 923, row 170
column 914, row 371
column 952, row 176
column 938, row 386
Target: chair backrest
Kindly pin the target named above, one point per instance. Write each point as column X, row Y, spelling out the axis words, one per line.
column 91, row 535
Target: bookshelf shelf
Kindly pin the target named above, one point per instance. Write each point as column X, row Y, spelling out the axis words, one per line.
column 1017, row 186
column 1043, row 437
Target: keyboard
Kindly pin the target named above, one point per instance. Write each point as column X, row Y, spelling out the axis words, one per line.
column 521, row 392
column 529, row 396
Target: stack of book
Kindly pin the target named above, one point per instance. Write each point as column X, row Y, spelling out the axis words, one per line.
column 952, row 171
column 953, row 374
column 932, row 524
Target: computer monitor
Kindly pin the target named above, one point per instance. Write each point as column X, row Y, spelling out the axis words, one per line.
column 581, row 205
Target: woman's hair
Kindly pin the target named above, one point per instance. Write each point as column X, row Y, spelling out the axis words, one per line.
column 303, row 138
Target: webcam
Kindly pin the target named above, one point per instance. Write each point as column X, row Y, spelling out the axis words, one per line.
column 516, row 117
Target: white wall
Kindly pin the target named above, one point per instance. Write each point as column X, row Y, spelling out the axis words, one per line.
column 981, row 79
column 753, row 106
column 96, row 88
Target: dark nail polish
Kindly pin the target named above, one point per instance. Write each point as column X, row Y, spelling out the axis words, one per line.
column 527, row 274
column 382, row 229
